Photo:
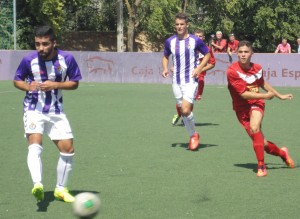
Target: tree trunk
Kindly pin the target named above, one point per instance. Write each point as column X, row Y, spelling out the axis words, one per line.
column 130, row 34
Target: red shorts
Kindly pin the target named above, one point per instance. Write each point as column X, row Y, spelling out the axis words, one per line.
column 244, row 116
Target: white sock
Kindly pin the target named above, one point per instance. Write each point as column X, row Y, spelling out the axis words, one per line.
column 34, row 162
column 189, row 123
column 64, row 168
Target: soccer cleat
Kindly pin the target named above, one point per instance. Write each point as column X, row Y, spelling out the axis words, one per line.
column 38, row 192
column 287, row 159
column 194, row 142
column 261, row 171
column 63, row 195
column 175, row 119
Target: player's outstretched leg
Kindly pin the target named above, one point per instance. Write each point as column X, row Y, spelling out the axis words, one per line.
column 64, row 168
column 287, row 159
column 283, row 152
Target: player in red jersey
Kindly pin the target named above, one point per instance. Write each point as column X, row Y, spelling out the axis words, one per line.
column 211, row 64
column 244, row 82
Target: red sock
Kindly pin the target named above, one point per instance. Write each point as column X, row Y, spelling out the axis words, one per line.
column 258, row 146
column 200, row 86
column 272, row 148
column 178, row 110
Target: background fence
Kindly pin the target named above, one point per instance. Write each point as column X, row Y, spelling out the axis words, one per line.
column 113, row 67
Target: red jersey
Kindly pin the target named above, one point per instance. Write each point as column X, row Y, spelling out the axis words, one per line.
column 211, row 60
column 221, row 42
column 233, row 45
column 240, row 81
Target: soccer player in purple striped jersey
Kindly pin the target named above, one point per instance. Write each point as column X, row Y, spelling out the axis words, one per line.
column 184, row 48
column 43, row 74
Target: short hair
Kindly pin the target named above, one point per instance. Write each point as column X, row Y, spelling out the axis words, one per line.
column 245, row 43
column 219, row 32
column 200, row 31
column 182, row 16
column 43, row 31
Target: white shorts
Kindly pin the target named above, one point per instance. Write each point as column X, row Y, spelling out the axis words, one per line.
column 56, row 126
column 185, row 91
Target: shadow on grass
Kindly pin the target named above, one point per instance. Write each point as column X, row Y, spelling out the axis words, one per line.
column 186, row 145
column 49, row 197
column 205, row 124
column 270, row 166
column 198, row 124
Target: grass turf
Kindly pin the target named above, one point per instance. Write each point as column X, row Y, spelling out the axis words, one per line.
column 128, row 152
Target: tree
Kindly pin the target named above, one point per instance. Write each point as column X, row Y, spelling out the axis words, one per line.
column 261, row 22
column 154, row 17
column 133, row 22
column 6, row 25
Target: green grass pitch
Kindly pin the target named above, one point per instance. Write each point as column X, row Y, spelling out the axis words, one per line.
column 128, row 152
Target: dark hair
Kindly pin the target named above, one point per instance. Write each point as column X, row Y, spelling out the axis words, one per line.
column 182, row 16
column 245, row 43
column 43, row 31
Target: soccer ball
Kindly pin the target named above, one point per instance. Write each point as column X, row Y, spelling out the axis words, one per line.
column 86, row 205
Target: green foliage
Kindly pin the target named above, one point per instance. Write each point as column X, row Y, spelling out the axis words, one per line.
column 262, row 22
column 160, row 20
column 6, row 25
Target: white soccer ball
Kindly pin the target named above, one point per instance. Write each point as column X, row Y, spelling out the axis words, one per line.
column 86, row 205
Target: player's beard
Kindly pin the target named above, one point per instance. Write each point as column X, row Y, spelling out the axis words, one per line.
column 46, row 55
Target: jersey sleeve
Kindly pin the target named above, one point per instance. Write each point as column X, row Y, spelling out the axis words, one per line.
column 73, row 70
column 22, row 71
column 167, row 48
column 201, row 47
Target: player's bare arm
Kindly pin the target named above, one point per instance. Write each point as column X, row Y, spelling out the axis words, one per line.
column 268, row 87
column 51, row 85
column 208, row 67
column 248, row 95
column 24, row 86
column 165, row 62
column 200, row 67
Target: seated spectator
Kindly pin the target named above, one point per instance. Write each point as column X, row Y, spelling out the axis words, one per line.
column 283, row 47
column 219, row 44
column 232, row 44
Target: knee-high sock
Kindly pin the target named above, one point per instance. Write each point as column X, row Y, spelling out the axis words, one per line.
column 189, row 123
column 34, row 162
column 272, row 148
column 258, row 146
column 64, row 168
column 200, row 86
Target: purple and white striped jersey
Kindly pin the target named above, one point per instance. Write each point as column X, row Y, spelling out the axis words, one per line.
column 185, row 56
column 33, row 68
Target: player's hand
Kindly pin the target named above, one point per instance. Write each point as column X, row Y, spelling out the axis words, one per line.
column 195, row 73
column 165, row 73
column 286, row 96
column 34, row 86
column 48, row 85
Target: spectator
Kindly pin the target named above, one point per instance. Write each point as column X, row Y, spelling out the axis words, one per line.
column 283, row 47
column 232, row 44
column 219, row 44
column 298, row 41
